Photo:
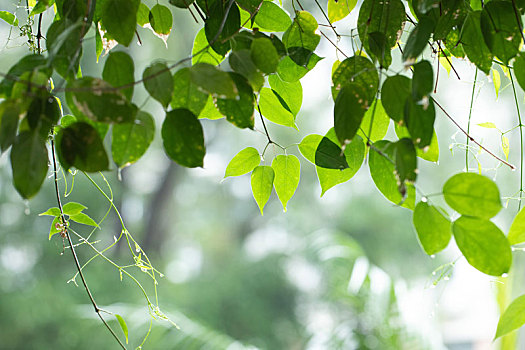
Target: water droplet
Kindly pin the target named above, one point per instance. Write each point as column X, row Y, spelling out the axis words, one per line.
column 161, row 275
column 433, row 256
column 433, row 273
column 446, row 278
column 505, row 275
column 424, row 199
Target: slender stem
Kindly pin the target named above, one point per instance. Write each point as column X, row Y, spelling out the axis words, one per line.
column 328, row 19
column 470, row 137
column 521, row 137
column 334, row 44
column 448, row 60
column 469, row 117
column 264, row 124
column 73, row 251
column 39, row 33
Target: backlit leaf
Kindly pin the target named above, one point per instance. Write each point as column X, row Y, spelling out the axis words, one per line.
column 329, row 155
column 239, row 111
column 359, row 70
column 513, row 317
column 161, row 20
column 517, row 229
column 158, row 81
column 243, row 162
column 84, row 219
column 349, row 110
column 129, row 141
column 122, row 324
column 272, row 18
column 380, row 122
column 433, row 229
column 290, row 93
column 337, row 10
column 202, row 52
column 273, row 110
column 119, row 70
column 262, row 184
column 287, row 169
column 187, row 94
column 483, row 244
column 120, row 19
column 72, row 208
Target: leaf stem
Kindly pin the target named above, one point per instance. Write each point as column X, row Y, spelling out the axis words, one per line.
column 521, row 135
column 469, row 117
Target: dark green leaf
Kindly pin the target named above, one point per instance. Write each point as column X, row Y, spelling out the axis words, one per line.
column 27, row 63
column 183, row 138
column 219, row 40
column 213, row 80
column 29, row 163
column 329, row 155
column 422, row 80
column 249, row 5
column 158, row 81
column 186, row 94
column 430, row 153
column 418, row 39
column 242, row 63
column 160, row 19
column 472, row 194
column 501, row 29
column 483, row 244
column 182, row 3
column 419, row 119
column 202, row 52
column 9, row 117
column 130, row 141
column 394, row 93
column 264, row 55
column 80, row 146
column 120, row 19
column 119, row 70
column 64, row 45
column 433, row 228
column 378, row 46
column 385, row 17
column 359, row 70
column 349, row 110
column 239, row 110
column 519, row 69
column 43, row 113
column 474, row 43
column 453, row 13
column 405, row 161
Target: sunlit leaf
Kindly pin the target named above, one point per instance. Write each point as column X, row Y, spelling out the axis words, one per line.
column 202, row 52
column 123, row 326
column 273, row 110
column 130, row 141
column 262, row 184
column 243, row 162
column 517, row 229
column 287, row 169
column 158, row 81
column 337, row 10
column 272, row 18
column 377, row 116
column 120, row 19
column 483, row 244
column 433, row 229
column 51, row 212
column 513, row 317
column 290, row 93
column 472, row 194
column 358, row 70
column 161, row 20
column 474, row 42
column 72, row 208
column 239, row 110
column 9, row 18
column 119, row 70
column 187, row 94
column 84, row 219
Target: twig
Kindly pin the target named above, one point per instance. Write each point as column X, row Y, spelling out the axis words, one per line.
column 446, row 57
column 334, row 44
column 73, row 251
column 470, row 115
column 470, row 137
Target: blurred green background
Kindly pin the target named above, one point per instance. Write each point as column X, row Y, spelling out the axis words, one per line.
column 341, row 272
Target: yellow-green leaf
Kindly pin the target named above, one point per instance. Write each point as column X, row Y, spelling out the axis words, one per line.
column 262, row 184
column 287, row 169
column 337, row 10
column 243, row 162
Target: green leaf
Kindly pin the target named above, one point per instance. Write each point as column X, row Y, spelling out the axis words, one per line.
column 354, row 153
column 519, row 69
column 349, row 110
column 433, row 228
column 218, row 31
column 143, row 15
column 302, row 32
column 186, row 94
column 243, row 162
column 483, row 244
column 53, row 229
column 501, row 29
column 513, row 317
column 51, row 212
column 474, row 43
column 517, row 229
column 422, row 80
column 329, row 155
column 161, row 19
column 385, row 17
column 290, row 71
column 241, row 62
column 380, row 122
column 488, row 125
column 472, row 194
column 130, row 141
column 272, row 18
column 183, row 138
column 9, row 18
column 308, row 146
column 182, row 3
column 119, row 70
column 356, row 70
column 30, row 63
column 273, row 110
column 213, row 80
column 43, row 113
column 120, row 19
column 249, row 5
column 84, row 219
column 262, row 184
column 419, row 120
column 418, row 39
column 64, row 46
column 264, row 55
column 287, row 169
column 123, row 326
column 72, row 208
column 382, row 170
column 210, row 110
column 239, row 111
column 40, row 7
column 96, row 100
column 9, row 117
column 337, row 10
column 80, row 145
column 29, row 163
column 159, row 82
column 405, row 161
column 290, row 93
column 202, row 52
column 430, row 153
